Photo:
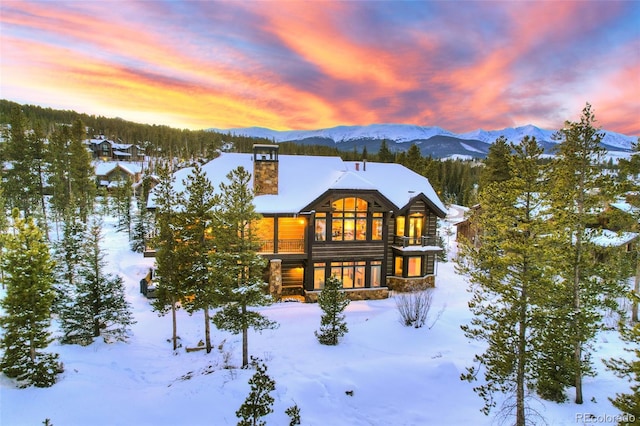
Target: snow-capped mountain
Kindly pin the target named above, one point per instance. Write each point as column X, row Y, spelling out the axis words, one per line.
column 432, row 140
column 391, row 132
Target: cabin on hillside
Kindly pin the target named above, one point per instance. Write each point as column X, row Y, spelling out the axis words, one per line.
column 114, row 173
column 372, row 225
column 108, row 150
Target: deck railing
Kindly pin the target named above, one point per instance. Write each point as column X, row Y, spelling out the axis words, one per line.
column 284, row 246
column 424, row 240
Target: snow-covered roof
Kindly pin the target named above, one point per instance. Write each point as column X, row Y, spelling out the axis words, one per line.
column 607, row 238
column 105, row 167
column 626, row 207
column 302, row 179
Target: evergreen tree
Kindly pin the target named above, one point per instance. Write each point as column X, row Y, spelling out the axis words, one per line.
column 628, row 403
column 236, row 268
column 333, row 302
column 169, row 273
column 630, row 184
column 414, row 160
column 122, row 194
column 99, row 306
column 27, row 307
column 4, row 224
column 259, row 403
column 198, row 202
column 59, row 179
column 578, row 187
column 68, row 255
column 384, row 154
column 496, row 165
column 81, row 173
column 141, row 226
column 36, row 141
column 510, row 282
column 21, row 183
column 294, row 414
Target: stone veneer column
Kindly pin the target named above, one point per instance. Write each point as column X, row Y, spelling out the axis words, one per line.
column 275, row 279
column 265, row 177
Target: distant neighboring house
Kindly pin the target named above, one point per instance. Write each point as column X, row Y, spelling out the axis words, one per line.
column 112, row 173
column 619, row 247
column 373, row 225
column 137, row 186
column 106, row 150
column 467, row 229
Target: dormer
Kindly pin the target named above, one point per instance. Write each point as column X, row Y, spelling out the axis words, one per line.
column 265, row 169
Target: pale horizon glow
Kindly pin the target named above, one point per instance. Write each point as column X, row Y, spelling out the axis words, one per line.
column 462, row 66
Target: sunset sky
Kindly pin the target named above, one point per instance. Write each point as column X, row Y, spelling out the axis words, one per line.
column 460, row 65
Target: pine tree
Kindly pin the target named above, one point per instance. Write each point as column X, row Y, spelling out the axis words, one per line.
column 169, row 273
column 21, row 184
column 198, row 202
column 333, row 302
column 628, row 176
column 414, row 160
column 81, row 173
column 141, row 226
column 58, row 168
column 27, row 307
column 99, row 307
column 122, row 193
column 68, row 255
column 628, row 403
column 579, row 187
column 235, row 266
column 384, row 154
column 496, row 167
column 294, row 414
column 4, row 224
column 259, row 402
column 510, row 282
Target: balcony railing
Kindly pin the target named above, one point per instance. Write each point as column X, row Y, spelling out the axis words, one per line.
column 284, row 246
column 424, row 240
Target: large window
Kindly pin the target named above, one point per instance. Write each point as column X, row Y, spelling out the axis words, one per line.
column 352, row 274
column 408, row 266
column 349, row 219
column 319, row 275
column 321, row 227
column 376, row 273
column 376, row 226
column 414, row 266
column 411, row 228
column 398, row 266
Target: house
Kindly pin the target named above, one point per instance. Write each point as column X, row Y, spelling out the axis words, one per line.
column 111, row 173
column 373, row 225
column 107, row 150
column 467, row 229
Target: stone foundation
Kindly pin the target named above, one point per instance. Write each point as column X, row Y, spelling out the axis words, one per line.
column 352, row 294
column 404, row 285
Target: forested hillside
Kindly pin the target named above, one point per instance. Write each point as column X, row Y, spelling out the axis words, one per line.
column 454, row 180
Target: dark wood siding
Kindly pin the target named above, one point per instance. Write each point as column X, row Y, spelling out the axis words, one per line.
column 432, row 223
column 348, row 250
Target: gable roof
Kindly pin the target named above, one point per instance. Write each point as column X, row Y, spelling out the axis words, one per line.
column 304, row 178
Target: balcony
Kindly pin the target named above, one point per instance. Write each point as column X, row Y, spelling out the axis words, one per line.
column 284, row 246
column 424, row 240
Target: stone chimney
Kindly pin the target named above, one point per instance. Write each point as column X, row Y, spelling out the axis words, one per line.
column 265, row 169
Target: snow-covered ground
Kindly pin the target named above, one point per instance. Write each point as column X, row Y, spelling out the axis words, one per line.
column 397, row 375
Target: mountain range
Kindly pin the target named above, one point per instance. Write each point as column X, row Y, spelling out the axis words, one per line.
column 432, row 141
